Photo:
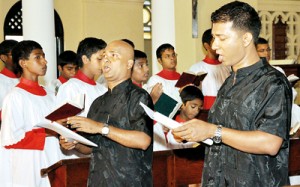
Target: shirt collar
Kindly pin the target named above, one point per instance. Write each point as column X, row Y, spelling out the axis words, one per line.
column 211, row 61
column 169, row 75
column 31, row 87
column 249, row 69
column 179, row 119
column 62, row 79
column 139, row 85
column 120, row 87
column 8, row 73
column 81, row 76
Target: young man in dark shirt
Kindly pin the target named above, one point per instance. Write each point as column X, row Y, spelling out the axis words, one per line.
column 250, row 119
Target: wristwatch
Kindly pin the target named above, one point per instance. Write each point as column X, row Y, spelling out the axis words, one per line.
column 218, row 135
column 105, row 129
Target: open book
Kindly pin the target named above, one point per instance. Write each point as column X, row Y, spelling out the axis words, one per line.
column 165, row 121
column 190, row 78
column 166, row 105
column 66, row 133
column 68, row 108
column 294, row 129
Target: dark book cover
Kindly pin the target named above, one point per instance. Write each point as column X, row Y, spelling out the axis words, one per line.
column 66, row 110
column 190, row 78
column 166, row 105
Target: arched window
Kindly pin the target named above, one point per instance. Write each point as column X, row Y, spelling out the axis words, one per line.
column 13, row 26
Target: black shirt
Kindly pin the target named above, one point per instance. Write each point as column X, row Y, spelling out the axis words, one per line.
column 257, row 97
column 113, row 164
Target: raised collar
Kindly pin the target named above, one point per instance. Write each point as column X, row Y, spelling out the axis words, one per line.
column 31, row 87
column 62, row 79
column 81, row 76
column 8, row 73
column 120, row 88
column 249, row 69
column 169, row 75
column 211, row 61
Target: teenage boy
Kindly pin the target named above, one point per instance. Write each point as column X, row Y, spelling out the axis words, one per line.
column 165, row 82
column 216, row 72
column 67, row 67
column 140, row 69
column 8, row 78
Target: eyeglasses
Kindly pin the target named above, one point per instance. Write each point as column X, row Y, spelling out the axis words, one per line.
column 264, row 50
column 170, row 56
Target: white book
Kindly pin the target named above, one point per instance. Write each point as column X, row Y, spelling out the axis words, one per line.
column 292, row 78
column 165, row 121
column 66, row 133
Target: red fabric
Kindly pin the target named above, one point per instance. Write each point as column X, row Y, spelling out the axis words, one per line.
column 179, row 119
column 208, row 102
column 211, row 61
column 169, row 75
column 139, row 85
column 34, row 140
column 81, row 76
column 32, row 87
column 62, row 79
column 8, row 73
column 0, row 115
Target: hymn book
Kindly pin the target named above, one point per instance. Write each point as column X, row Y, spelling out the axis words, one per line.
column 68, row 108
column 190, row 78
column 167, row 106
column 165, row 121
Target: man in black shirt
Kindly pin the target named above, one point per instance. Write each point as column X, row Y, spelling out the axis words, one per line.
column 118, row 125
column 250, row 119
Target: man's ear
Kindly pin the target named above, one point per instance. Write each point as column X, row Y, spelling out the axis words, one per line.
column 23, row 63
column 60, row 69
column 247, row 38
column 129, row 64
column 206, row 46
column 159, row 61
column 84, row 59
column 3, row 58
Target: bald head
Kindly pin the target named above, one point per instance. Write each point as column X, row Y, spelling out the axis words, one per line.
column 117, row 62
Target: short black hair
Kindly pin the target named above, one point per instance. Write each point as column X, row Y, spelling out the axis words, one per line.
column 129, row 42
column 243, row 16
column 67, row 57
column 190, row 93
column 6, row 46
column 207, row 37
column 139, row 54
column 162, row 48
column 261, row 41
column 88, row 47
column 22, row 51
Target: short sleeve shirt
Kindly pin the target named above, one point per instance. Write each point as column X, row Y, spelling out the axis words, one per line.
column 257, row 97
column 113, row 164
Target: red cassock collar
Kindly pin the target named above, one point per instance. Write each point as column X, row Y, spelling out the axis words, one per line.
column 211, row 61
column 81, row 76
column 169, row 75
column 32, row 87
column 8, row 73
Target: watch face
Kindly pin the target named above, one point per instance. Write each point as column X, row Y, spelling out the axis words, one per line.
column 105, row 131
column 217, row 139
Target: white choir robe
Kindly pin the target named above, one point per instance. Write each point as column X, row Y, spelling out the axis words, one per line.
column 70, row 90
column 21, row 167
column 6, row 84
column 216, row 75
column 159, row 140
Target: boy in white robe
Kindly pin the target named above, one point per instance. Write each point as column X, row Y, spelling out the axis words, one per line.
column 216, row 72
column 89, row 52
column 26, row 149
column 163, row 81
column 8, row 78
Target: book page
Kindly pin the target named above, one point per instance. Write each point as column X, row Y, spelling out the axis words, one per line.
column 67, row 133
column 165, row 121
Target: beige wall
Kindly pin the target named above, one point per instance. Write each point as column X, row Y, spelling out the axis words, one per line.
column 190, row 49
column 116, row 19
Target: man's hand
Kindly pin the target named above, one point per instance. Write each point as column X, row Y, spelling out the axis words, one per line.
column 68, row 145
column 156, row 92
column 84, row 124
column 194, row 130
